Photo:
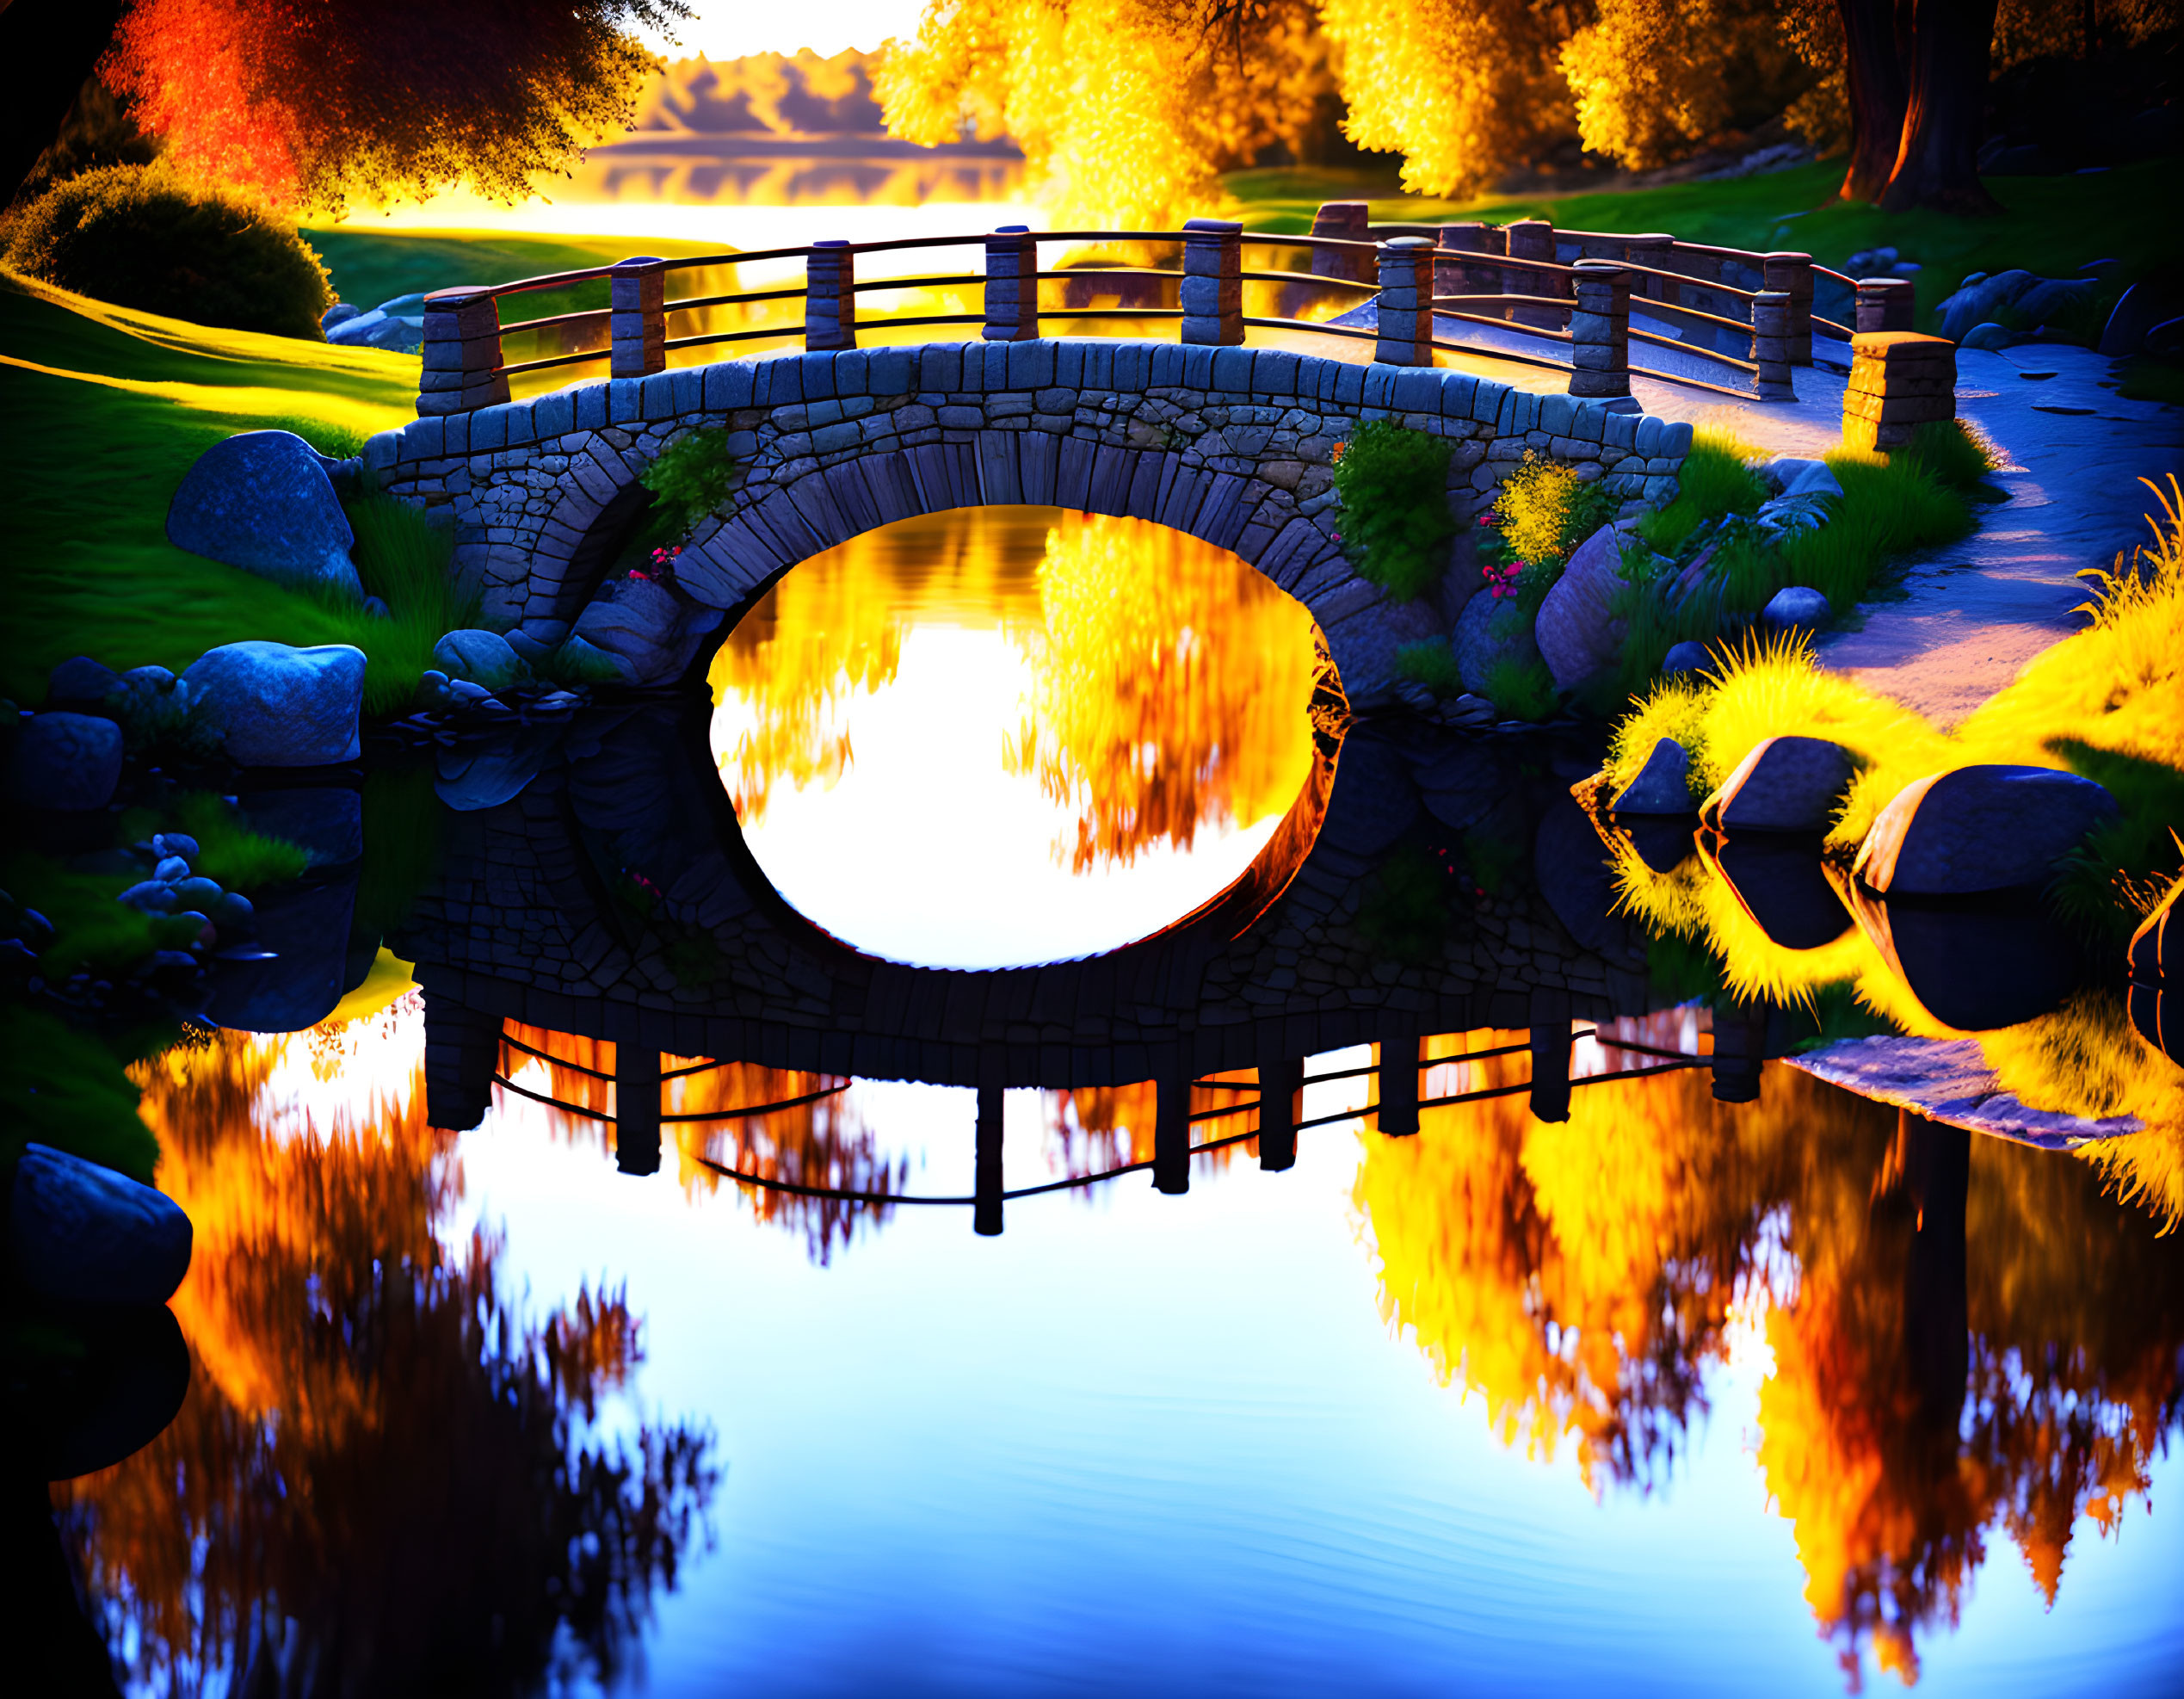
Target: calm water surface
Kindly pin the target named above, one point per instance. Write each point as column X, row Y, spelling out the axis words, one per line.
column 1674, row 1395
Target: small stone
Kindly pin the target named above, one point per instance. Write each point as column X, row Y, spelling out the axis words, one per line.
column 1786, row 784
column 1980, row 829
column 466, row 693
column 1796, row 608
column 1805, row 478
column 174, row 844
column 335, row 314
column 1662, row 786
column 171, row 869
column 261, row 501
column 231, row 910
column 1687, row 657
column 557, row 701
column 85, row 1233
column 481, row 656
column 376, row 607
column 152, row 896
column 70, row 763
column 1989, row 337
column 198, row 891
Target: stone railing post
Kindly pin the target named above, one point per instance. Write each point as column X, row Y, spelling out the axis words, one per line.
column 1461, row 277
column 1771, row 344
column 1899, row 381
column 1403, row 310
column 1534, row 240
column 462, row 354
column 1792, row 274
column 639, row 324
column 1012, row 285
column 1348, row 220
column 1884, row 303
column 1600, row 331
column 1212, row 292
column 830, row 297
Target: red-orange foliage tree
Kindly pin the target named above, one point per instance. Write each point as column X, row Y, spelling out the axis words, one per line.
column 311, row 102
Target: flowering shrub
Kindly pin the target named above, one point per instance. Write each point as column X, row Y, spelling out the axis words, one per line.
column 659, row 566
column 1543, row 512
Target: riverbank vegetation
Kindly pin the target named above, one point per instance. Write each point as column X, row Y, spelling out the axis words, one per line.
column 2107, row 702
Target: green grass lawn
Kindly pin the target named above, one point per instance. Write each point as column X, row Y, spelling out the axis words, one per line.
column 107, row 410
column 2051, row 225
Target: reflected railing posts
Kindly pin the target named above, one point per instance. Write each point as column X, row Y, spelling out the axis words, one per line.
column 462, row 1047
column 637, row 1107
column 1398, row 1116
column 1281, row 1086
column 1172, row 1131
column 1937, row 1171
column 1740, row 1045
column 985, row 1214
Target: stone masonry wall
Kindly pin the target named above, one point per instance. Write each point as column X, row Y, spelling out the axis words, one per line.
column 1233, row 445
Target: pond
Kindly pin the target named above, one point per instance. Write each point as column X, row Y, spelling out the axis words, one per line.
column 1021, row 1145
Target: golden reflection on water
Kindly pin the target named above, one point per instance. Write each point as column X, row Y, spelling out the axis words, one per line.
column 1013, row 734
column 383, row 1465
column 1582, row 1277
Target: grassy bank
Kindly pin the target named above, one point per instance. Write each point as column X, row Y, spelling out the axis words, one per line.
column 108, row 408
column 2051, row 225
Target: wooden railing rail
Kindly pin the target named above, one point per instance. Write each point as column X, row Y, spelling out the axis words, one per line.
column 464, row 366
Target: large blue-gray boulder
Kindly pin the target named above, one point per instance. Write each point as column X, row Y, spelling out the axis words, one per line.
column 81, row 683
column 65, row 761
column 1490, row 631
column 1976, row 303
column 278, row 707
column 263, row 501
column 647, row 629
column 1662, row 785
column 86, row 1233
column 1979, row 830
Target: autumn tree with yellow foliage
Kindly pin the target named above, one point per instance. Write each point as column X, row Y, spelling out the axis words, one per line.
column 1129, row 110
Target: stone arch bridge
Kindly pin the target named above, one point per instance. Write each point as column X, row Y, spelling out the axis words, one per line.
column 1233, row 445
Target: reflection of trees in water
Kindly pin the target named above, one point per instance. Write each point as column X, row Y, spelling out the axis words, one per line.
column 386, row 1477
column 1946, row 1363
column 1169, row 687
column 822, row 1143
column 1168, row 679
column 1096, row 1127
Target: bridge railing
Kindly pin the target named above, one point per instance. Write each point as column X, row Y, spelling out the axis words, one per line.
column 1577, row 313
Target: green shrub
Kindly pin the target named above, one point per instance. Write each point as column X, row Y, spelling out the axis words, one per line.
column 1393, row 484
column 1431, row 663
column 1405, row 912
column 62, row 1087
column 689, row 480
column 227, row 849
column 1716, row 480
column 135, row 236
column 1521, row 692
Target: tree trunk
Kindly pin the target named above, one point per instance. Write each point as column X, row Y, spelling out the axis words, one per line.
column 48, row 50
column 1937, row 167
column 1876, row 36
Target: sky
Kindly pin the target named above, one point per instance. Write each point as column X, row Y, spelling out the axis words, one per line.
column 726, row 29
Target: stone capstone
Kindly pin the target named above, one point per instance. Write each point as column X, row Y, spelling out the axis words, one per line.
column 482, row 656
column 69, row 761
column 1786, row 784
column 1489, row 631
column 1662, row 785
column 85, row 1233
column 278, row 707
column 261, row 501
column 1979, row 830
column 1576, row 631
